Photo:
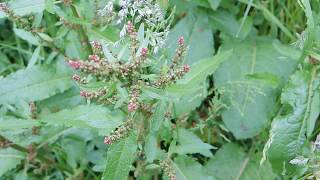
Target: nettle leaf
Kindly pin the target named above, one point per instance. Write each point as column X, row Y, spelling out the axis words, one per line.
column 198, row 36
column 192, row 89
column 251, row 101
column 189, row 143
column 231, row 162
column 27, row 36
column 9, row 159
column 35, row 83
column 12, row 123
column 24, row 7
column 290, row 128
column 120, row 156
column 158, row 116
column 189, row 169
column 86, row 116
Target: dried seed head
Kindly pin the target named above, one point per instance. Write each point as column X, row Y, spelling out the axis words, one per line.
column 74, row 64
column 83, row 94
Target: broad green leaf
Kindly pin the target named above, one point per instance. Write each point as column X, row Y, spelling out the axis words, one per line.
column 35, row 83
column 24, row 7
column 11, row 123
column 197, row 34
column 290, row 128
column 189, row 169
column 251, row 103
column 27, row 36
column 120, row 157
column 85, row 116
column 9, row 159
column 231, row 162
column 65, row 100
column 189, row 143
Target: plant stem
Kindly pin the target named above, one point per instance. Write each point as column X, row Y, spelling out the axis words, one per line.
column 81, row 31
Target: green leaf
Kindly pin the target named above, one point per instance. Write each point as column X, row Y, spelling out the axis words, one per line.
column 85, row 116
column 120, row 157
column 289, row 129
column 231, row 162
column 24, row 7
column 9, row 159
column 251, row 103
column 197, row 34
column 34, row 57
column 189, row 143
column 189, row 169
column 214, row 4
column 224, row 21
column 192, row 89
column 27, row 36
column 158, row 116
column 35, row 83
column 11, row 123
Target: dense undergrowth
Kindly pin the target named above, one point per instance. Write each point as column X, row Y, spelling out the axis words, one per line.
column 158, row 89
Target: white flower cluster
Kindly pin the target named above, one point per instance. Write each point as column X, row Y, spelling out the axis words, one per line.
column 141, row 11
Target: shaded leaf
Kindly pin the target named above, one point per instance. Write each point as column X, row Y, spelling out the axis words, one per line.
column 251, row 103
column 231, row 162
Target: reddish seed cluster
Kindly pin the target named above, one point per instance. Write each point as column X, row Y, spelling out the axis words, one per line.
column 186, row 68
column 95, row 94
column 132, row 106
column 76, row 77
column 144, row 52
column 121, row 132
column 94, row 58
column 130, row 27
column 96, row 45
column 74, row 64
column 181, row 41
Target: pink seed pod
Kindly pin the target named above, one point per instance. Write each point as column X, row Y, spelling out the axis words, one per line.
column 74, row 64
column 186, row 68
column 83, row 94
column 94, row 58
column 132, row 106
column 130, row 27
column 107, row 140
column 181, row 41
column 144, row 52
column 76, row 77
